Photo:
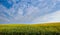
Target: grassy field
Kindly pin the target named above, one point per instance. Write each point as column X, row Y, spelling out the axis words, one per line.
column 30, row 29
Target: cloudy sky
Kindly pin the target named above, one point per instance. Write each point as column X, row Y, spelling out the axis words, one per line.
column 29, row 11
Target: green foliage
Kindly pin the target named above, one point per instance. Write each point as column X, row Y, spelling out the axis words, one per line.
column 29, row 30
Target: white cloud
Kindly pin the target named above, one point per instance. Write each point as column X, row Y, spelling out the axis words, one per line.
column 30, row 13
column 30, row 10
column 52, row 17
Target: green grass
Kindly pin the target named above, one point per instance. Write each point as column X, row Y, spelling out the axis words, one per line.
column 30, row 29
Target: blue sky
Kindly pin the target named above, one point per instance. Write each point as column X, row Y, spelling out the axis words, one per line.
column 29, row 11
column 6, row 4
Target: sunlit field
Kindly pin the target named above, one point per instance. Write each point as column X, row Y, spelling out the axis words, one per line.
column 30, row 29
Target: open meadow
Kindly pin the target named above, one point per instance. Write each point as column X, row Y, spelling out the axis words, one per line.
column 30, row 29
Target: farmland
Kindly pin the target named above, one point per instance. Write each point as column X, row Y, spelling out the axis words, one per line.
column 30, row 29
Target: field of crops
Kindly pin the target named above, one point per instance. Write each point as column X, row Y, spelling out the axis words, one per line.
column 30, row 29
